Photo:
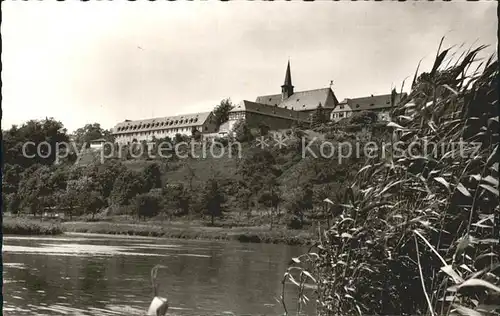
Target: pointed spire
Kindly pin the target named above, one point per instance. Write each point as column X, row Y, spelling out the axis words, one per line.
column 288, row 76
column 287, row 87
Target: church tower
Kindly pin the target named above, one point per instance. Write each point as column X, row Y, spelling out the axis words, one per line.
column 287, row 88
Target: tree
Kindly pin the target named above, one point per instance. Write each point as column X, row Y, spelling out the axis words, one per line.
column 191, row 175
column 196, row 134
column 364, row 117
column 92, row 202
column 257, row 167
column 270, row 197
column 128, row 184
column 260, row 174
column 35, row 189
column 11, row 202
column 177, row 198
column 221, row 111
column 180, row 138
column 242, row 131
column 69, row 199
column 152, row 177
column 300, row 199
column 213, row 199
column 107, row 134
column 37, row 138
column 244, row 198
column 84, row 135
column 320, row 116
column 147, row 204
column 105, row 175
column 11, row 175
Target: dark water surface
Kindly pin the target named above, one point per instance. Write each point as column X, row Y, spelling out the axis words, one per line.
column 85, row 274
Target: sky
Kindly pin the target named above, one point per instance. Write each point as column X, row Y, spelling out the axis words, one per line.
column 104, row 62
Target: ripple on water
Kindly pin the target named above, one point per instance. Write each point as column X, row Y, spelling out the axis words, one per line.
column 192, row 255
column 155, row 246
column 14, row 265
column 73, row 249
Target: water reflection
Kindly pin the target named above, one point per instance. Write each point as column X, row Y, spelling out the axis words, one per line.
column 102, row 275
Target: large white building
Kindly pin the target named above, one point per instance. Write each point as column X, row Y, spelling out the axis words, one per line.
column 145, row 130
column 275, row 111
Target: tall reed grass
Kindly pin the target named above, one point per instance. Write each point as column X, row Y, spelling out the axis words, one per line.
column 419, row 234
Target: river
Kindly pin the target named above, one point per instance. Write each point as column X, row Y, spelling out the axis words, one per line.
column 98, row 275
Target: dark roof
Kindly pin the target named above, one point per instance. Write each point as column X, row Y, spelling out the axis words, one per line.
column 307, row 100
column 159, row 123
column 253, row 107
column 372, row 102
column 272, row 99
column 300, row 101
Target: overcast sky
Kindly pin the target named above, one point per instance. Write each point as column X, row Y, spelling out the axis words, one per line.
column 80, row 62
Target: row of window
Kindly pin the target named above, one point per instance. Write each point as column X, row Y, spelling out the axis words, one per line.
column 236, row 115
column 372, row 104
column 167, row 131
column 340, row 115
column 157, row 124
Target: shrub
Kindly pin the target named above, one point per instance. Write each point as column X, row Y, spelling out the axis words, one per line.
column 24, row 226
column 148, row 205
column 363, row 117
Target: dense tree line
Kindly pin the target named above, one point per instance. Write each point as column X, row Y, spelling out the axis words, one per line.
column 273, row 181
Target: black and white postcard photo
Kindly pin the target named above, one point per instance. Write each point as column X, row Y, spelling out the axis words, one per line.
column 250, row 158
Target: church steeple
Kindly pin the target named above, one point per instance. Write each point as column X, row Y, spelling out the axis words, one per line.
column 287, row 87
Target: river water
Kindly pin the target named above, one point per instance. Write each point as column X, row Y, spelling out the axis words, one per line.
column 86, row 274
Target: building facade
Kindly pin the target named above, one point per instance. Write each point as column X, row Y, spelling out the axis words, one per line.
column 302, row 101
column 97, row 143
column 341, row 111
column 275, row 111
column 380, row 104
column 257, row 115
column 145, row 130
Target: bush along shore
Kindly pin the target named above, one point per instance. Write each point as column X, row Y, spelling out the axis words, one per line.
column 25, row 226
column 22, row 226
column 418, row 235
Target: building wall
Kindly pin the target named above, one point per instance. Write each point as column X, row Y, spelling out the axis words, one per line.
column 338, row 115
column 210, row 126
column 129, row 137
column 207, row 127
column 341, row 111
column 256, row 119
column 96, row 146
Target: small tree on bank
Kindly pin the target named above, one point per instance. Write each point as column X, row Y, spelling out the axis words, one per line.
column 92, row 203
column 147, row 205
column 212, row 200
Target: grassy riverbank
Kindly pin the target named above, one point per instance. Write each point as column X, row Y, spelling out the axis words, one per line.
column 242, row 234
column 26, row 226
column 253, row 234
